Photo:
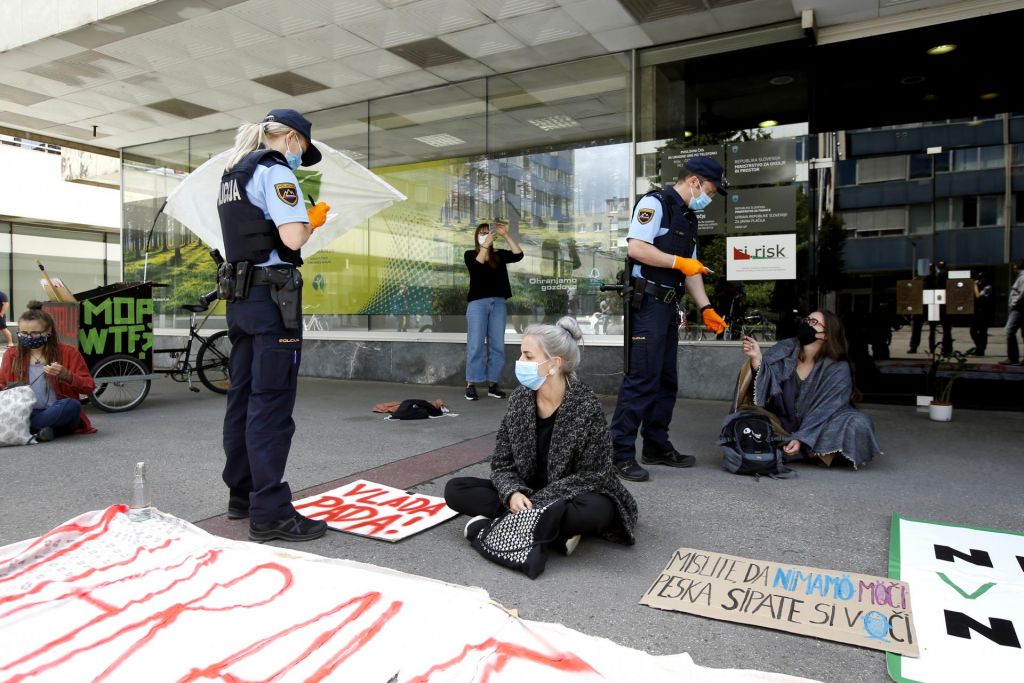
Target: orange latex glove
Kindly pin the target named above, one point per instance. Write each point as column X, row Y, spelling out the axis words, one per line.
column 318, row 214
column 689, row 266
column 713, row 321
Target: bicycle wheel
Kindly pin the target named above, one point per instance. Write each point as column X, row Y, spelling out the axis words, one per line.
column 212, row 362
column 125, row 393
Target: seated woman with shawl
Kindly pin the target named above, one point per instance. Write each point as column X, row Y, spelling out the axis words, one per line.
column 807, row 383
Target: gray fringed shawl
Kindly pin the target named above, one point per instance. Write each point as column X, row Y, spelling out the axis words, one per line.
column 827, row 423
column 579, row 458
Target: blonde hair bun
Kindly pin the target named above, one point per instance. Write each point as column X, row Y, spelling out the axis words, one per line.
column 569, row 324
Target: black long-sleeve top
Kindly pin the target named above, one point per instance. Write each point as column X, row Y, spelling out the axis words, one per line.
column 485, row 281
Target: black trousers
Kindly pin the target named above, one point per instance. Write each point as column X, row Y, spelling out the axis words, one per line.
column 647, row 395
column 258, row 425
column 587, row 515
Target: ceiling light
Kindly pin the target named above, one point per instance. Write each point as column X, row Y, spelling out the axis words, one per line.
column 781, row 80
column 555, row 122
column 441, row 140
column 768, row 123
column 941, row 49
column 912, row 80
column 990, row 96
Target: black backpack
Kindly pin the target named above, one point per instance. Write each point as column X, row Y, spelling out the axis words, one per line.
column 752, row 446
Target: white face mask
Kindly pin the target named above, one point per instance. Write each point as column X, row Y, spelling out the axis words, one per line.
column 482, row 239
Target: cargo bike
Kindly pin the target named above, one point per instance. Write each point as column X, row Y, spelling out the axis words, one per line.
column 112, row 327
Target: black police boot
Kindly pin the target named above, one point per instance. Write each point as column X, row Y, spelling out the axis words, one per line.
column 627, row 468
column 238, row 505
column 673, row 459
column 294, row 528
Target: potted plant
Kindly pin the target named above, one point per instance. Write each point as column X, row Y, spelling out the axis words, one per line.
column 952, row 365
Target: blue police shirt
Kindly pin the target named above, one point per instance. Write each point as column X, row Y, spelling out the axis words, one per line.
column 646, row 225
column 265, row 191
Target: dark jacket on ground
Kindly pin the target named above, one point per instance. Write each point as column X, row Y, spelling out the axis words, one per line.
column 579, row 460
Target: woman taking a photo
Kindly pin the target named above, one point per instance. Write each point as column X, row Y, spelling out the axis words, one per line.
column 485, row 313
column 56, row 372
column 807, row 382
column 553, row 444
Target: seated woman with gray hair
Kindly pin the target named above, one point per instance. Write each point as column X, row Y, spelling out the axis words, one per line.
column 553, row 443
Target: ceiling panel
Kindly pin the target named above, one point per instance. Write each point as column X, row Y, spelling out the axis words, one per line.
column 207, row 53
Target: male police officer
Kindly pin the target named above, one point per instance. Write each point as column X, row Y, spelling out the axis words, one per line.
column 265, row 223
column 662, row 240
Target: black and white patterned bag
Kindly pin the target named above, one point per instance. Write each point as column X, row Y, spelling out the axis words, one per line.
column 520, row 540
column 16, row 406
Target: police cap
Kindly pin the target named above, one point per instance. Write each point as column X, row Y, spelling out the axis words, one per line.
column 300, row 124
column 710, row 170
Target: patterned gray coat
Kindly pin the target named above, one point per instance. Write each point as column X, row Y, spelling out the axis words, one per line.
column 579, row 459
column 828, row 422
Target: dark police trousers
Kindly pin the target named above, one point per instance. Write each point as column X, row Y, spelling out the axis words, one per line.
column 258, row 425
column 648, row 393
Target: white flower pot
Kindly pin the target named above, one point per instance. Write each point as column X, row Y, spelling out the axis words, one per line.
column 940, row 412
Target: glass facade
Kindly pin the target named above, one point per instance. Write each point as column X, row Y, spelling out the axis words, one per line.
column 81, row 259
column 815, row 215
column 547, row 150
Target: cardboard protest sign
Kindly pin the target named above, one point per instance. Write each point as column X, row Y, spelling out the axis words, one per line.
column 968, row 601
column 869, row 611
column 376, row 511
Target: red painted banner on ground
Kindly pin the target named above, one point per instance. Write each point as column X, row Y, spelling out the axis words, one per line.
column 375, row 510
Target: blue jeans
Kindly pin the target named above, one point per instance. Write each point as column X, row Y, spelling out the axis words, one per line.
column 64, row 416
column 486, row 322
column 1013, row 325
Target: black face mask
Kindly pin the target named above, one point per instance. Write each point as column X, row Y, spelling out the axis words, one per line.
column 806, row 334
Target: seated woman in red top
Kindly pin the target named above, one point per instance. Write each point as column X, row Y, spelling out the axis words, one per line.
column 55, row 371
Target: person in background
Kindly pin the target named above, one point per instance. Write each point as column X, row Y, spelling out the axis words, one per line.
column 265, row 224
column 56, row 372
column 553, row 443
column 1015, row 319
column 983, row 310
column 808, row 383
column 5, row 306
column 486, row 311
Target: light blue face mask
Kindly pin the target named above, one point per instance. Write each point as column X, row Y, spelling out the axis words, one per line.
column 700, row 202
column 526, row 373
column 294, row 160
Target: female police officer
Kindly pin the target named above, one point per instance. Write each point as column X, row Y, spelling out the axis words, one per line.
column 265, row 223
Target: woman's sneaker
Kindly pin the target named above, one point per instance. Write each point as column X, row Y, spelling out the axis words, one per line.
column 494, row 391
column 474, row 526
column 471, row 393
column 570, row 545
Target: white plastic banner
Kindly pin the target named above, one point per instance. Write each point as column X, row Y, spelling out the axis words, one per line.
column 106, row 598
column 968, row 588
